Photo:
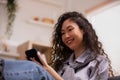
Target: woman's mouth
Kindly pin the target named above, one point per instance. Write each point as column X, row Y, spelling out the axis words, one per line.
column 69, row 41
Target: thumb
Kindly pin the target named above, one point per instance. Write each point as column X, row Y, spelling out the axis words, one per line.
column 41, row 59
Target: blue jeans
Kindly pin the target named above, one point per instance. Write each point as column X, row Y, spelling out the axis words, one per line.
column 24, row 70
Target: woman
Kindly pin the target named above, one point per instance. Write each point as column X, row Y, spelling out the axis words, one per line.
column 77, row 53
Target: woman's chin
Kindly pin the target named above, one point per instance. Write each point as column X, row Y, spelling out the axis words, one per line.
column 71, row 47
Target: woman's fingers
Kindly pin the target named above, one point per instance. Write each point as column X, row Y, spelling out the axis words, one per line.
column 33, row 59
column 43, row 62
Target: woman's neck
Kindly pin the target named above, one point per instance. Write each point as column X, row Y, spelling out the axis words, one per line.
column 79, row 51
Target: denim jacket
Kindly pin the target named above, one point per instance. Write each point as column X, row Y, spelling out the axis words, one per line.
column 24, row 70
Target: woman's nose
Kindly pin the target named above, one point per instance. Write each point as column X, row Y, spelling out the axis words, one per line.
column 66, row 35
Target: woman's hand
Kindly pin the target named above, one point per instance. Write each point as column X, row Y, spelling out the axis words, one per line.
column 47, row 67
column 43, row 62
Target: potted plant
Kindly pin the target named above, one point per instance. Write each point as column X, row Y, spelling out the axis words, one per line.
column 11, row 10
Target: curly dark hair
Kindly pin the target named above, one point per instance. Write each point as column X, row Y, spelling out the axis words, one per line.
column 60, row 52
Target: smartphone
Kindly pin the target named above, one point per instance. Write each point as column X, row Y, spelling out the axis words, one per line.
column 32, row 53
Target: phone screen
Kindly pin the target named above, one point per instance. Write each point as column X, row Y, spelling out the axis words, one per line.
column 32, row 53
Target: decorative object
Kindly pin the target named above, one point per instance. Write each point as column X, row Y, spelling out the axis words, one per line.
column 11, row 8
column 48, row 20
column 36, row 18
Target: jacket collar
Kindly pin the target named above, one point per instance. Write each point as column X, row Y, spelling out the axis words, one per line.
column 82, row 58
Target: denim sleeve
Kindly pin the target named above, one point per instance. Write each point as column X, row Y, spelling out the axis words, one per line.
column 24, row 70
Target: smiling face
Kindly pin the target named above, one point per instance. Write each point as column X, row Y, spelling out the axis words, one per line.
column 72, row 35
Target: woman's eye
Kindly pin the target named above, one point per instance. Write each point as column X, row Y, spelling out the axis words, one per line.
column 70, row 29
column 62, row 33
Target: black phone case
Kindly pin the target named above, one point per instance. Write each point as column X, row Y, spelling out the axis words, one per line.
column 32, row 53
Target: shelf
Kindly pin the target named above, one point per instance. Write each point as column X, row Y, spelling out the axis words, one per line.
column 9, row 54
column 41, row 23
column 31, row 44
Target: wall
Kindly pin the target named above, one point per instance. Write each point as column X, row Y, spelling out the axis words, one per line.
column 106, row 23
column 3, row 19
column 25, row 30
column 82, row 5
